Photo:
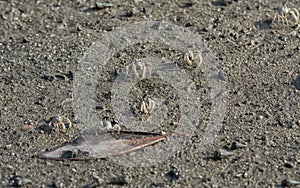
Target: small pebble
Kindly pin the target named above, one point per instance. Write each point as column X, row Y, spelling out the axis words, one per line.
column 18, row 181
column 172, row 175
column 237, row 145
column 97, row 179
column 8, row 146
column 48, row 77
column 120, row 180
column 245, row 175
column 221, row 154
column 101, row 5
column 157, row 184
column 107, row 124
column 288, row 165
column 209, row 28
column 26, row 127
column 296, row 82
column 98, row 182
column 288, row 183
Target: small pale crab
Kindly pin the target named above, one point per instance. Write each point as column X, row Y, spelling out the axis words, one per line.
column 141, row 67
column 60, row 123
column 111, row 126
column 139, row 70
column 147, row 105
column 190, row 57
column 284, row 13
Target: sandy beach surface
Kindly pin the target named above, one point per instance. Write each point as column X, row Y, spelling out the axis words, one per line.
column 42, row 47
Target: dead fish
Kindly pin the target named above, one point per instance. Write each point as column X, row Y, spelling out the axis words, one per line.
column 102, row 146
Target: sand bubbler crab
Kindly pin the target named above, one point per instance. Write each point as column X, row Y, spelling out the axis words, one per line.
column 147, row 106
column 112, row 125
column 284, row 14
column 59, row 123
column 190, row 57
column 140, row 70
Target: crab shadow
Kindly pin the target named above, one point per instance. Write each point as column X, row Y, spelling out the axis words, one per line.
column 263, row 24
column 296, row 82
